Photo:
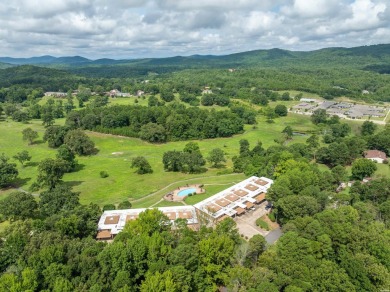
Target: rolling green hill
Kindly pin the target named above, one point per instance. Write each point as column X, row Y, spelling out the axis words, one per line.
column 322, row 72
column 365, row 57
column 5, row 65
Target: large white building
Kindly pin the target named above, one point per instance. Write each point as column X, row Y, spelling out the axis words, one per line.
column 237, row 199
column 112, row 222
column 231, row 202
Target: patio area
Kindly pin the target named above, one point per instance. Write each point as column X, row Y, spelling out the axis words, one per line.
column 180, row 193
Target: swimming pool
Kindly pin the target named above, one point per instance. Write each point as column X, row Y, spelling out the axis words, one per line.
column 186, row 192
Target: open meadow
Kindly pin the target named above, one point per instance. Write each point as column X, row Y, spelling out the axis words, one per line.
column 115, row 154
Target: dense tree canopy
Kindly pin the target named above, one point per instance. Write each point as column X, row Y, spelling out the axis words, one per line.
column 161, row 123
column 8, row 171
column 141, row 164
column 79, row 142
column 51, row 171
column 362, row 168
column 18, row 206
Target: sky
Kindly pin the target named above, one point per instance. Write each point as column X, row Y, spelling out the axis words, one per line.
column 127, row 29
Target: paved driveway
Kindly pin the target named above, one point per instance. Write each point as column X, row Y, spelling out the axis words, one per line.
column 246, row 223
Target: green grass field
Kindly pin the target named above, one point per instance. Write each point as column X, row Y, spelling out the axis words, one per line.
column 382, row 170
column 116, row 152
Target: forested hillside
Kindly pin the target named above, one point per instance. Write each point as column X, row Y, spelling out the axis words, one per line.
column 329, row 57
column 328, row 72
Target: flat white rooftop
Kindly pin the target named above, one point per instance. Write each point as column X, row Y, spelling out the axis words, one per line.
column 229, row 202
column 232, row 200
column 115, row 220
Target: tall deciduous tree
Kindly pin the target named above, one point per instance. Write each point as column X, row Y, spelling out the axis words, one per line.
column 30, row 135
column 216, row 156
column 22, row 157
column 288, row 132
column 319, row 116
column 54, row 135
column 339, row 173
column 79, row 142
column 8, row 171
column 368, row 128
column 362, row 168
column 153, row 133
column 141, row 164
column 172, row 161
column 65, row 153
column 50, row 172
column 281, row 110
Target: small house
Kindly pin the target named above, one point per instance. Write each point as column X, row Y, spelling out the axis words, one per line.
column 375, row 155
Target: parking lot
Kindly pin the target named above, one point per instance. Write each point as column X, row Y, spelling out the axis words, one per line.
column 246, row 223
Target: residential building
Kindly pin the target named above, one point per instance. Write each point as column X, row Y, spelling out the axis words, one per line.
column 375, row 155
column 235, row 200
column 112, row 222
column 232, row 202
column 56, row 94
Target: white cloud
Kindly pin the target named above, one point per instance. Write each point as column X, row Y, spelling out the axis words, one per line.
column 315, row 8
column 152, row 28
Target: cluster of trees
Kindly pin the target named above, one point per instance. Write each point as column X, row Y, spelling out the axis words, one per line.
column 69, row 143
column 379, row 140
column 53, row 109
column 343, row 149
column 190, row 160
column 75, row 139
column 51, row 249
column 158, row 124
column 343, row 152
column 342, row 249
column 214, row 99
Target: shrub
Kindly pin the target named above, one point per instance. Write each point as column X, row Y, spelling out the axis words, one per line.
column 103, row 174
column 124, row 205
column 271, row 217
column 109, row 207
column 262, row 224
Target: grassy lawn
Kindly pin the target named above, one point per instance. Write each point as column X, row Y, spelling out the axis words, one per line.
column 212, row 185
column 122, row 183
column 382, row 170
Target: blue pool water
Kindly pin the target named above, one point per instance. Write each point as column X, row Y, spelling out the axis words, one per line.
column 186, row 192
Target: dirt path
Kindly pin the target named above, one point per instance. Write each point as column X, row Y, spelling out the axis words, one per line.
column 156, row 203
column 24, row 191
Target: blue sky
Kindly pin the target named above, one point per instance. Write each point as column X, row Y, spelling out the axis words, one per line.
column 160, row 28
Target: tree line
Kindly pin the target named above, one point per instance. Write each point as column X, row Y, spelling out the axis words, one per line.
column 158, row 124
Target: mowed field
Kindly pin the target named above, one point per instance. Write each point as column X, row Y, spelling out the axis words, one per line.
column 115, row 154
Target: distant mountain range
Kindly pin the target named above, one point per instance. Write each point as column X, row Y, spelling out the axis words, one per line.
column 374, row 58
